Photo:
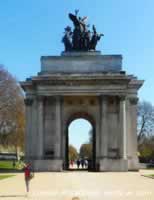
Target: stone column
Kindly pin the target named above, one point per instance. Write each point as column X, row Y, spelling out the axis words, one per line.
column 58, row 130
column 123, row 132
column 132, row 131
column 40, row 139
column 34, row 127
column 104, row 128
column 28, row 103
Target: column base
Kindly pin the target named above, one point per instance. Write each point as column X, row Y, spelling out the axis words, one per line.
column 133, row 164
column 113, row 165
column 47, row 165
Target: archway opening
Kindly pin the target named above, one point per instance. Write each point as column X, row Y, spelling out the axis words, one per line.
column 80, row 141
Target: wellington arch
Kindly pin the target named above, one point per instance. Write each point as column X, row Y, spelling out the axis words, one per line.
column 82, row 84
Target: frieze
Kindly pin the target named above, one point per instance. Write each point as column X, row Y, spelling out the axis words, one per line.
column 82, row 101
column 82, row 82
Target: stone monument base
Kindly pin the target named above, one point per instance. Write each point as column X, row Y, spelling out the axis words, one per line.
column 74, row 64
column 133, row 164
column 47, row 165
column 113, row 165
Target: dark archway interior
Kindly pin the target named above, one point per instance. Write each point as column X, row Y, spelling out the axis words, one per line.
column 92, row 160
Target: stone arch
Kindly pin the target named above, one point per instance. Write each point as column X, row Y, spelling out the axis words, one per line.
column 84, row 115
column 91, row 120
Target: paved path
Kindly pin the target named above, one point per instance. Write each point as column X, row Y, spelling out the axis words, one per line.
column 84, row 185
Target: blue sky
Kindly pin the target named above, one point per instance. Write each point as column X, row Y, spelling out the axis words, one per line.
column 32, row 28
column 79, row 132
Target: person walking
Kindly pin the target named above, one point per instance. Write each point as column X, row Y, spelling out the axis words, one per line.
column 86, row 163
column 71, row 163
column 78, row 163
column 82, row 163
column 28, row 175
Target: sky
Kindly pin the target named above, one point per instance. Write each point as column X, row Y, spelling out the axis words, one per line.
column 30, row 29
column 77, row 134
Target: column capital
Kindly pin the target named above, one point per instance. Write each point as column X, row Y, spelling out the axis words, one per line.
column 104, row 97
column 133, row 100
column 122, row 97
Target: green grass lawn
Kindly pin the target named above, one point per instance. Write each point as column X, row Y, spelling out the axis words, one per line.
column 8, row 165
column 149, row 176
column 5, row 176
column 150, row 168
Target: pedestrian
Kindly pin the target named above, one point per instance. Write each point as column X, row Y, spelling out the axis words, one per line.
column 78, row 163
column 71, row 163
column 86, row 163
column 89, row 164
column 28, row 175
column 82, row 163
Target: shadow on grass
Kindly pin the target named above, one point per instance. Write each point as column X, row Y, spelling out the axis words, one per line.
column 149, row 176
column 2, row 177
column 10, row 170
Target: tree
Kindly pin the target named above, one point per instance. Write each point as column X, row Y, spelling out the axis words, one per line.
column 12, row 120
column 146, row 131
column 73, row 154
column 86, row 150
column 145, row 119
column 146, row 149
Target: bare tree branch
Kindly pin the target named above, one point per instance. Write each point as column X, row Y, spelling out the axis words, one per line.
column 145, row 119
column 11, row 110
